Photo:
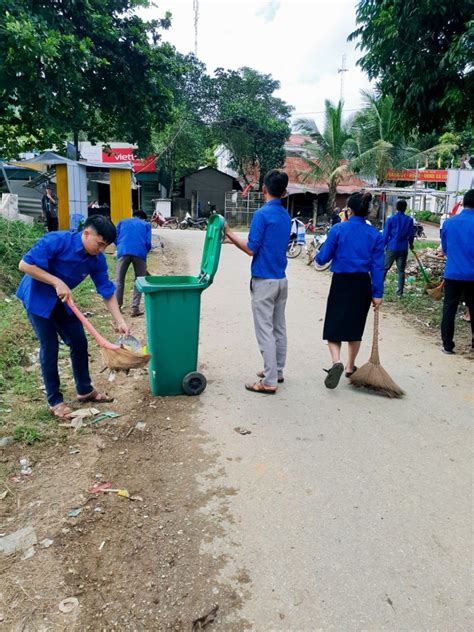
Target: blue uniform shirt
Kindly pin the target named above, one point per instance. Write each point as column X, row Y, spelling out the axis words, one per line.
column 399, row 232
column 457, row 241
column 268, row 240
column 355, row 246
column 133, row 238
column 62, row 254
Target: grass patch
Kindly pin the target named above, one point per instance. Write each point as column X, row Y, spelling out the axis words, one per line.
column 423, row 245
column 27, row 434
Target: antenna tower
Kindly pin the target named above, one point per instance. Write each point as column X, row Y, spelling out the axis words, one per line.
column 341, row 71
column 196, row 21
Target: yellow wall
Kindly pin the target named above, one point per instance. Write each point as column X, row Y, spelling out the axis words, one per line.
column 63, row 196
column 120, row 194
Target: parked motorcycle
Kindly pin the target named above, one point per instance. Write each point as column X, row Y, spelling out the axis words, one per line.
column 315, row 246
column 191, row 222
column 419, row 231
column 158, row 220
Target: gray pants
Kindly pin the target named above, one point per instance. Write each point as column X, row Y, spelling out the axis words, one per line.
column 139, row 267
column 400, row 257
column 268, row 308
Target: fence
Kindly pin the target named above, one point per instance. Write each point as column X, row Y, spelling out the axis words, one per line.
column 238, row 210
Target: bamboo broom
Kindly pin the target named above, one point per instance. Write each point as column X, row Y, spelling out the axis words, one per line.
column 435, row 290
column 116, row 358
column 372, row 374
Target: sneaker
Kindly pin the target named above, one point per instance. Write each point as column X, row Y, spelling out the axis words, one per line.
column 448, row 351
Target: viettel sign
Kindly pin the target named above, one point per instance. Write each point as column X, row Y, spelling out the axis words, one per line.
column 125, row 154
column 424, row 175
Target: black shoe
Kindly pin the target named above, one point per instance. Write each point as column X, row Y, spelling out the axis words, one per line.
column 448, row 351
column 334, row 375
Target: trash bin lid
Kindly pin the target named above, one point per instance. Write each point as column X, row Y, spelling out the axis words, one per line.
column 212, row 248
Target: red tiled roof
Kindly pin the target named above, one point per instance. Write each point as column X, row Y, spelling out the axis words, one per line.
column 296, row 168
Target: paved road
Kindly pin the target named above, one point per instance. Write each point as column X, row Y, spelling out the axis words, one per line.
column 431, row 232
column 350, row 511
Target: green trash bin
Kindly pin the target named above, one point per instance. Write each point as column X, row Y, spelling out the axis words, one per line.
column 172, row 309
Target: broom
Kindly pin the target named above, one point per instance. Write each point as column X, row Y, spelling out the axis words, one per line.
column 435, row 290
column 372, row 375
column 116, row 358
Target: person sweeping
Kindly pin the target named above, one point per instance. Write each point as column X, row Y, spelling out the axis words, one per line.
column 56, row 264
column 357, row 253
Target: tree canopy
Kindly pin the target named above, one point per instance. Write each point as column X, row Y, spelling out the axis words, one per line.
column 421, row 54
column 93, row 67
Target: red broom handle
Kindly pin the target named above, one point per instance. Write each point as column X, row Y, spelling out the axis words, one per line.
column 101, row 341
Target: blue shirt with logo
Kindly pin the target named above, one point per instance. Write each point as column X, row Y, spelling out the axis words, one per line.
column 133, row 238
column 399, row 232
column 457, row 241
column 268, row 240
column 62, row 254
column 355, row 246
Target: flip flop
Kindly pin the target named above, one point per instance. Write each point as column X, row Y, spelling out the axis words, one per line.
column 261, row 375
column 259, row 387
column 61, row 410
column 96, row 397
column 351, row 373
column 333, row 375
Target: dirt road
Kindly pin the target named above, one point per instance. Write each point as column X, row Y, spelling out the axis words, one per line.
column 339, row 511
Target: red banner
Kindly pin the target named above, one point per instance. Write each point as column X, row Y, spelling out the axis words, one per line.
column 125, row 154
column 424, row 175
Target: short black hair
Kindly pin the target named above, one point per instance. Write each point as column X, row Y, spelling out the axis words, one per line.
column 276, row 182
column 468, row 199
column 402, row 205
column 103, row 227
column 359, row 203
column 140, row 214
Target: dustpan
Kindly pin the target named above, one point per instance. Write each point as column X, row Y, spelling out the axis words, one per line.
column 116, row 357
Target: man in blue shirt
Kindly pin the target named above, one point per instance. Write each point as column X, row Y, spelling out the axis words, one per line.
column 267, row 244
column 457, row 241
column 133, row 245
column 55, row 265
column 398, row 234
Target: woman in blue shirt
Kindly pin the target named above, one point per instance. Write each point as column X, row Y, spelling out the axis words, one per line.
column 357, row 254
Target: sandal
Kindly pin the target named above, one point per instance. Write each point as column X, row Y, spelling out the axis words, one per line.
column 96, row 397
column 261, row 375
column 333, row 375
column 61, row 410
column 351, row 373
column 259, row 387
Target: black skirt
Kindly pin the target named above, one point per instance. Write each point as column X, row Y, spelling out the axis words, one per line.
column 349, row 302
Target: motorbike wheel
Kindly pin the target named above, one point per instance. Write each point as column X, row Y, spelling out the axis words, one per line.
column 203, row 226
column 294, row 250
column 194, row 383
column 173, row 224
column 183, row 225
column 316, row 265
column 310, row 252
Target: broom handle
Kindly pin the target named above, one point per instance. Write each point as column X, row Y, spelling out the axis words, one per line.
column 101, row 341
column 423, row 271
column 374, row 355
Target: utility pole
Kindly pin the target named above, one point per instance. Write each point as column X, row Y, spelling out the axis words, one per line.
column 341, row 71
column 196, row 21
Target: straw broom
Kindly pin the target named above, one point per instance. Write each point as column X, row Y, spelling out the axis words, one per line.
column 372, row 374
column 116, row 358
column 435, row 290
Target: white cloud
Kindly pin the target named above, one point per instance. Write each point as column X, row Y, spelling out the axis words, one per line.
column 302, row 46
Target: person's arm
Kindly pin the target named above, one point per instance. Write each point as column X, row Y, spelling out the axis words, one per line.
column 238, row 241
column 377, row 271
column 411, row 236
column 114, row 309
column 386, row 232
column 62, row 290
column 148, row 237
column 328, row 249
column 444, row 241
column 106, row 289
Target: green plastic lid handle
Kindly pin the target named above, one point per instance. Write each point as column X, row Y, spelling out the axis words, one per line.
column 212, row 249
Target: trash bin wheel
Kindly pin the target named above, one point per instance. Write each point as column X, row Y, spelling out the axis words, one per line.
column 194, row 383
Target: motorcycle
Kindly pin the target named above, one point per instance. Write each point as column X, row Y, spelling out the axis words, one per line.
column 419, row 231
column 190, row 222
column 315, row 246
column 158, row 220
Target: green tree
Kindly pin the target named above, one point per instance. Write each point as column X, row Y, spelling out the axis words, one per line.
column 421, row 54
column 251, row 122
column 326, row 150
column 376, row 143
column 88, row 66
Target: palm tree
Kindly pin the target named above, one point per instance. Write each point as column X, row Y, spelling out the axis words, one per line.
column 375, row 144
column 325, row 151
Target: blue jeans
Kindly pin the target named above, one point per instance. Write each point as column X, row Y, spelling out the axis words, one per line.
column 400, row 257
column 68, row 327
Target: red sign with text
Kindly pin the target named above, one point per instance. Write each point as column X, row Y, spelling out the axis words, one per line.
column 424, row 175
column 125, row 154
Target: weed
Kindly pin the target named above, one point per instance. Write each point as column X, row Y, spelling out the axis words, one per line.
column 27, row 434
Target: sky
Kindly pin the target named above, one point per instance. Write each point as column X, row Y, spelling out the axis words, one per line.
column 300, row 44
